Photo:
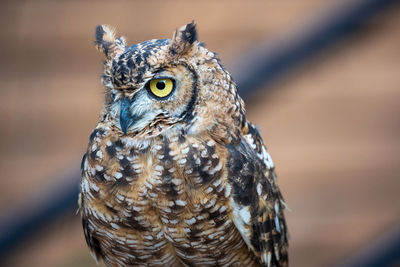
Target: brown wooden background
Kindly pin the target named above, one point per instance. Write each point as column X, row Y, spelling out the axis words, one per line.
column 332, row 125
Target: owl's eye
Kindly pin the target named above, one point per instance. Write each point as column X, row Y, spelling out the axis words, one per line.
column 162, row 87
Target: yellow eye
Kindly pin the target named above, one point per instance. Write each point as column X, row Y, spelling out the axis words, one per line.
column 161, row 87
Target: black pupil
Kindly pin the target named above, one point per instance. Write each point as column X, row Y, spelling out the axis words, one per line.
column 160, row 85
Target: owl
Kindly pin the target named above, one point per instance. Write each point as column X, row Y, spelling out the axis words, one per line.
column 174, row 173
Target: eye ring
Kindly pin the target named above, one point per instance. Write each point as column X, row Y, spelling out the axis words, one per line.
column 161, row 87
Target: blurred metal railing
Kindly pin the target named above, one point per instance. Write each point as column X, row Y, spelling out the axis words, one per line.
column 256, row 69
column 267, row 61
column 382, row 251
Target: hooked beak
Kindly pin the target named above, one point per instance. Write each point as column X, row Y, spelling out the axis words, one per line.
column 125, row 118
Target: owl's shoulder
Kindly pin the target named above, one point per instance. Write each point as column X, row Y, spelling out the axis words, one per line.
column 257, row 204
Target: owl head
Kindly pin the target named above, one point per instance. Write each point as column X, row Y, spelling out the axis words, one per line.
column 164, row 84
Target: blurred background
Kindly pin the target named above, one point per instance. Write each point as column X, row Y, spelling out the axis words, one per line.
column 329, row 115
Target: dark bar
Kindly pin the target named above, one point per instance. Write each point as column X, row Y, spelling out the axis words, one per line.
column 270, row 59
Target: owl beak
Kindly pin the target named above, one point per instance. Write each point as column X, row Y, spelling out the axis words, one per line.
column 125, row 117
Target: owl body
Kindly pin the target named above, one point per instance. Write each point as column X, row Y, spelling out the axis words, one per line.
column 174, row 174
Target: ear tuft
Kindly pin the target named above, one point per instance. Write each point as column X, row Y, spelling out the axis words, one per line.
column 106, row 42
column 189, row 33
column 184, row 38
